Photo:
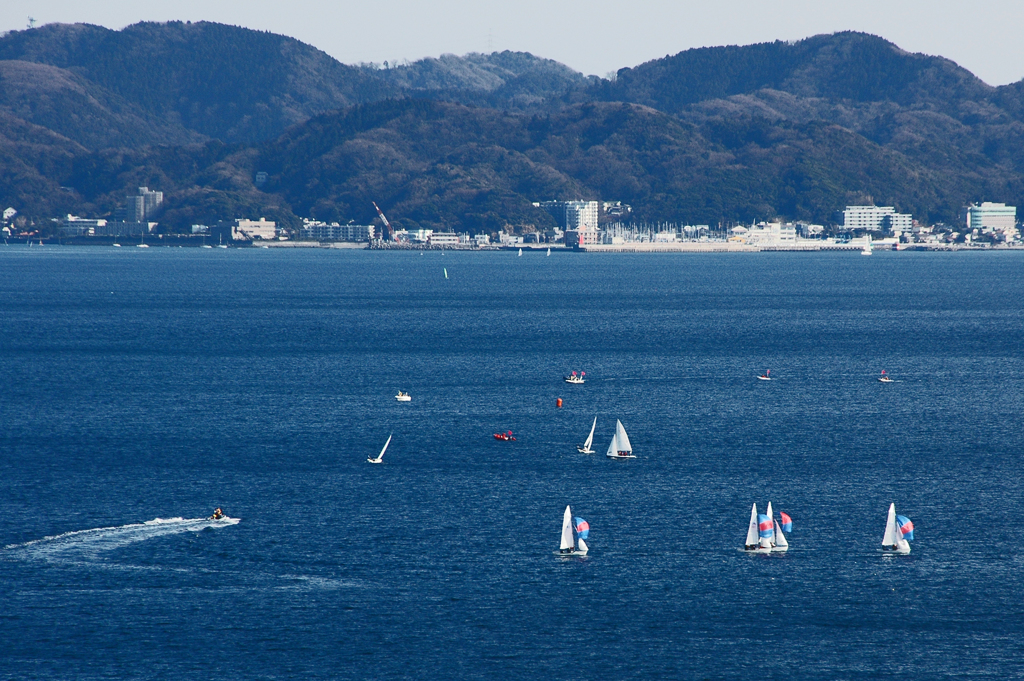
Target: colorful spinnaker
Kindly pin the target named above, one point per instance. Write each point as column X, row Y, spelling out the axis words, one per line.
column 582, row 528
column 764, row 526
column 786, row 522
column 906, row 527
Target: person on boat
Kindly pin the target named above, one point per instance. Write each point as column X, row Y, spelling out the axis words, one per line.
column 217, row 515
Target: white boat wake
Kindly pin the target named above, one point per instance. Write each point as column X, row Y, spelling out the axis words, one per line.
column 89, row 544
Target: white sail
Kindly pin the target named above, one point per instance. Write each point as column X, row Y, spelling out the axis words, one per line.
column 890, row 528
column 613, row 446
column 771, row 539
column 381, row 455
column 583, row 548
column 780, row 539
column 752, row 528
column 590, row 438
column 622, row 439
column 445, row 272
column 566, row 530
column 520, row 252
column 549, row 251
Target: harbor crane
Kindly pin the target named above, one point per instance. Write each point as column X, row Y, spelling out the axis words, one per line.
column 391, row 232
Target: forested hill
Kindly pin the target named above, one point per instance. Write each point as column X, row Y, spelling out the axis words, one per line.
column 795, row 130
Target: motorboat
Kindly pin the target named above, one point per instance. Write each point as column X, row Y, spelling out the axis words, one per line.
column 575, row 378
column 884, row 378
column 403, row 397
column 505, row 437
column 766, row 376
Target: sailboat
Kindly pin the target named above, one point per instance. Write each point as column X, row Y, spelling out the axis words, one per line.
column 585, row 447
column 884, row 378
column 753, row 541
column 766, row 376
column 445, row 272
column 867, row 246
column 380, row 457
column 142, row 240
column 520, row 252
column 779, row 543
column 220, row 242
column 619, row 448
column 549, row 253
column 567, row 547
column 899, row 531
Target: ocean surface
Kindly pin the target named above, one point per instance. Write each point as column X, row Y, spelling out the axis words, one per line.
column 140, row 389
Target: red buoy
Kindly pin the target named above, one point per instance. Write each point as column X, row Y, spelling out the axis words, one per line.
column 559, row 402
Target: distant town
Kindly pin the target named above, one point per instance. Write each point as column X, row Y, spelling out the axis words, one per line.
column 581, row 225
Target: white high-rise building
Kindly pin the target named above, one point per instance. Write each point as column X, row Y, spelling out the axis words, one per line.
column 994, row 216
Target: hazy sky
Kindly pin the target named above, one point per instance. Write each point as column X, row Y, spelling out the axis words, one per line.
column 596, row 36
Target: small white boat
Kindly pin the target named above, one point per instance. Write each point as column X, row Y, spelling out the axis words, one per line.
column 898, row 530
column 585, row 447
column 403, row 397
column 549, row 252
column 116, row 245
column 754, row 542
column 867, row 247
column 380, row 457
column 620, row 448
column 884, row 378
column 445, row 272
column 141, row 245
column 567, row 547
column 766, row 376
column 520, row 252
column 576, row 378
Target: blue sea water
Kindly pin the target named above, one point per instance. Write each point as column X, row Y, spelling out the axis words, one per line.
column 138, row 385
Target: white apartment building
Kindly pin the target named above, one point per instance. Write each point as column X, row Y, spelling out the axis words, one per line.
column 444, row 239
column 992, row 216
column 580, row 215
column 877, row 219
column 321, row 231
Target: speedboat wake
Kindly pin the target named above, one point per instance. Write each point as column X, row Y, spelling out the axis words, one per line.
column 89, row 544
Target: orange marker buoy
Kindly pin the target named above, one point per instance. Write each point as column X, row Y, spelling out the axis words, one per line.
column 559, row 402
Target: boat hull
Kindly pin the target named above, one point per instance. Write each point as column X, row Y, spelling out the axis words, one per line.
column 620, row 456
column 374, row 461
column 584, row 450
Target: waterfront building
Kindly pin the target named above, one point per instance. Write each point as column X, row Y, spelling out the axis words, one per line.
column 582, row 237
column 246, row 230
column 321, row 231
column 76, row 226
column 989, row 217
column 123, row 228
column 572, row 215
column 482, row 240
column 444, row 239
column 877, row 219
